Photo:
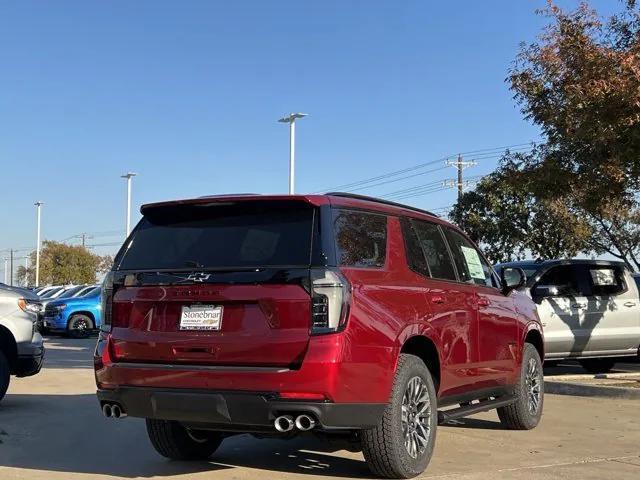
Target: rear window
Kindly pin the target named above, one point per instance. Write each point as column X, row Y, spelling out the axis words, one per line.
column 361, row 238
column 221, row 235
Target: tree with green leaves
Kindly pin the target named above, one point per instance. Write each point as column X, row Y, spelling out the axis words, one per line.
column 578, row 191
column 62, row 264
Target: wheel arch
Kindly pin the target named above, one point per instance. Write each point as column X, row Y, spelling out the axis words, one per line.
column 534, row 337
column 8, row 346
column 424, row 348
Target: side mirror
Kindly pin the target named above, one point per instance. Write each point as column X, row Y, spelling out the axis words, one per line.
column 541, row 291
column 512, row 278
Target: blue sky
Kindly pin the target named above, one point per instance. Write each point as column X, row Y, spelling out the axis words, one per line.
column 187, row 94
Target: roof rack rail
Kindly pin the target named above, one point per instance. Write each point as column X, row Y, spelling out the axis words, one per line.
column 355, row 196
column 223, row 195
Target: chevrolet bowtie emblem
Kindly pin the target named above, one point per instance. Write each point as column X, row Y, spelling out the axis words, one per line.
column 198, row 277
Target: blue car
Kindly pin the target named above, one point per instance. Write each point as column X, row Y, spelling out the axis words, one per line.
column 77, row 317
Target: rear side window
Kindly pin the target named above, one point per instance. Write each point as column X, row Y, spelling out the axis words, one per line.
column 434, row 249
column 606, row 280
column 221, row 235
column 415, row 256
column 361, row 238
column 471, row 267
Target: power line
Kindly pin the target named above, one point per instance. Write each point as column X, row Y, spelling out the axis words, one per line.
column 399, row 179
column 484, row 153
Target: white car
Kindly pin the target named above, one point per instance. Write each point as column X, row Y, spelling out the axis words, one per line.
column 590, row 310
column 21, row 346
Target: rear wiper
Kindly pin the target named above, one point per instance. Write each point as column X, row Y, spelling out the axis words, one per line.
column 193, row 263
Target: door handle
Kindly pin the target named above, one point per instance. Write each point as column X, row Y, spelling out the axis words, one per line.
column 629, row 304
column 579, row 305
column 483, row 302
column 437, row 299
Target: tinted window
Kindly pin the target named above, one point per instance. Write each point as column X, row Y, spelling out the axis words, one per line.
column 565, row 279
column 415, row 256
column 637, row 279
column 471, row 266
column 72, row 291
column 435, row 250
column 51, row 293
column 361, row 238
column 220, row 235
column 606, row 280
column 92, row 292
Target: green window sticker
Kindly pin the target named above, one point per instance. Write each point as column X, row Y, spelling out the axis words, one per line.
column 473, row 262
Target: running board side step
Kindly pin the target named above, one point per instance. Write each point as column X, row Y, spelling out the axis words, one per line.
column 471, row 409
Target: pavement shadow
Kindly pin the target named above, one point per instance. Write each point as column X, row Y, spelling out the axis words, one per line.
column 67, row 433
column 475, row 423
column 61, row 352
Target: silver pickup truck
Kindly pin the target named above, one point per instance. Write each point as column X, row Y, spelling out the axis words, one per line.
column 21, row 346
column 590, row 310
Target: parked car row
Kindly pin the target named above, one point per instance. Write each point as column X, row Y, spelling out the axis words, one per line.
column 77, row 315
column 590, row 309
column 71, row 309
column 362, row 320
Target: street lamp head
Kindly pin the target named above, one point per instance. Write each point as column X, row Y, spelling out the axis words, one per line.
column 128, row 175
column 292, row 117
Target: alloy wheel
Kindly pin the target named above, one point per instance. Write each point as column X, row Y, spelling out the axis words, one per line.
column 416, row 414
column 533, row 386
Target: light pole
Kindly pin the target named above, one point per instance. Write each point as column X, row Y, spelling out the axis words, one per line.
column 38, row 207
column 291, row 120
column 128, row 176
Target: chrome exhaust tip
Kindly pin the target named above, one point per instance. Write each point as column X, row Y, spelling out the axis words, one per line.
column 305, row 423
column 107, row 411
column 117, row 412
column 283, row 423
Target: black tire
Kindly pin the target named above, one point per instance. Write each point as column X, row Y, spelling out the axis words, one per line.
column 525, row 413
column 172, row 440
column 79, row 326
column 5, row 375
column 384, row 446
column 598, row 365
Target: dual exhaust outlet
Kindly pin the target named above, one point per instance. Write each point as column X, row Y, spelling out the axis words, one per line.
column 113, row 410
column 286, row 423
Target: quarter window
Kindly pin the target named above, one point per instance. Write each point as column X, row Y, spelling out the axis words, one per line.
column 361, row 238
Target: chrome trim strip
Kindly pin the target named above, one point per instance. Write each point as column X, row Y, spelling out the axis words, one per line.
column 169, row 366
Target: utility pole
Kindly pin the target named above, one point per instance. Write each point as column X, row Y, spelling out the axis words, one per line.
column 38, row 205
column 460, row 165
column 11, row 267
column 128, row 176
column 6, row 271
column 291, row 120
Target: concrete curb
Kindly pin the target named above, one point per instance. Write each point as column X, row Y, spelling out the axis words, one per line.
column 582, row 390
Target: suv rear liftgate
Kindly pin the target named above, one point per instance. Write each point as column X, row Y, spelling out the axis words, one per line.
column 235, row 288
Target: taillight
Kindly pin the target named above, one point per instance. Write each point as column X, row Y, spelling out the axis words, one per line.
column 106, row 297
column 330, row 298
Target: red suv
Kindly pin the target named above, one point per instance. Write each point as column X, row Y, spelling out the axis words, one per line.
column 357, row 318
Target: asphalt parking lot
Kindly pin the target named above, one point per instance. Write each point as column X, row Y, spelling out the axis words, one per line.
column 51, row 428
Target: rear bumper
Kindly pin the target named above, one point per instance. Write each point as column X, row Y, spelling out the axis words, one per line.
column 237, row 411
column 342, row 372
